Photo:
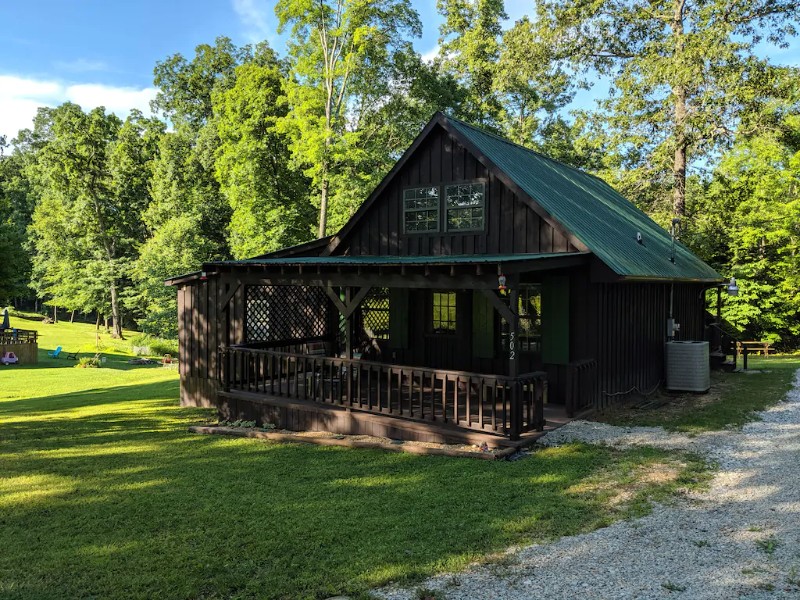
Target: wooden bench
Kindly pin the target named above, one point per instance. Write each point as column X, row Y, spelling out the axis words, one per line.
column 754, row 347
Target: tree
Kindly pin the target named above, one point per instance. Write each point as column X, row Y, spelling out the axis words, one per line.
column 269, row 200
column 186, row 86
column 748, row 225
column 683, row 73
column 16, row 205
column 87, row 226
column 335, row 47
column 469, row 49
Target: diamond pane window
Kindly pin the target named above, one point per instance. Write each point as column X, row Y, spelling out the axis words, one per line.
column 465, row 208
column 421, row 209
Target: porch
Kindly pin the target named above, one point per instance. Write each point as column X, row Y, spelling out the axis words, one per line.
column 298, row 391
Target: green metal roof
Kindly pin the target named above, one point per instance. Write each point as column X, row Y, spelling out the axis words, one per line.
column 397, row 260
column 590, row 209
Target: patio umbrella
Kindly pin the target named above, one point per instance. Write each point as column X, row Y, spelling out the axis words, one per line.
column 5, row 324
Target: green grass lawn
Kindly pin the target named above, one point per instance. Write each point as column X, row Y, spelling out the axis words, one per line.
column 104, row 494
column 731, row 402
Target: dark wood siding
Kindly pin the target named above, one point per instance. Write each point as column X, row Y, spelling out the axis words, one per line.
column 511, row 226
column 199, row 335
column 625, row 331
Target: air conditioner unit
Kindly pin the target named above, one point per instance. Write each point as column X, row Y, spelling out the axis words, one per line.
column 688, row 368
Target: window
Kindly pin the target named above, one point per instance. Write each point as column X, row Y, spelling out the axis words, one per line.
column 421, row 209
column 464, row 207
column 530, row 318
column 444, row 312
column 529, row 335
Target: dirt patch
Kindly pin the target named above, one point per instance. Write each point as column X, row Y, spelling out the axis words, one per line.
column 664, row 404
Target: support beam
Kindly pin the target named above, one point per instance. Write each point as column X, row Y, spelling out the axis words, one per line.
column 348, row 307
column 337, row 301
column 499, row 305
column 226, row 298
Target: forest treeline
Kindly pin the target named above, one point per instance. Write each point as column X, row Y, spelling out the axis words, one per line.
column 250, row 150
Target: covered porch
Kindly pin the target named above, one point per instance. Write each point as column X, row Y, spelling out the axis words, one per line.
column 429, row 348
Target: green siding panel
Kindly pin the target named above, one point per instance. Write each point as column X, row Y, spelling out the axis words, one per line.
column 398, row 318
column 482, row 326
column 555, row 320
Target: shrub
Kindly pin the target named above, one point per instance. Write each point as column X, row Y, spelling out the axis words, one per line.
column 88, row 362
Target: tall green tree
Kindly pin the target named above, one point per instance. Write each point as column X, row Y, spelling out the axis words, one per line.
column 336, row 47
column 684, row 74
column 470, row 49
column 748, row 225
column 268, row 198
column 87, row 226
column 16, row 206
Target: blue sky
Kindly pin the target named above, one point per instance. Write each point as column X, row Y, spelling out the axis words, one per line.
column 95, row 52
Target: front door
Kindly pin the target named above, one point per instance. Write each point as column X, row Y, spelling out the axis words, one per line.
column 448, row 330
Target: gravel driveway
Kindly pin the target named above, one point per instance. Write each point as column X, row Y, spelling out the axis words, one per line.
column 740, row 539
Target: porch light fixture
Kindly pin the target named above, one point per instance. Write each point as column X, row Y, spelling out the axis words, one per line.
column 733, row 289
column 501, row 283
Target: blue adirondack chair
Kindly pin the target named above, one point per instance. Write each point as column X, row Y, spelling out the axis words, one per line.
column 54, row 353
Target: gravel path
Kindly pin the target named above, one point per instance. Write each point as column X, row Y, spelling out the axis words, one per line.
column 741, row 539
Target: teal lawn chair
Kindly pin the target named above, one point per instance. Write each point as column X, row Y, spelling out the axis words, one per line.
column 54, row 353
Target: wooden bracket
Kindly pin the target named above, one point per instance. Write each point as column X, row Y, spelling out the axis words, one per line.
column 226, row 298
column 347, row 309
column 500, row 306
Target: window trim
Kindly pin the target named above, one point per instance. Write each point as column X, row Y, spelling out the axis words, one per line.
column 447, row 208
column 441, row 209
column 416, row 210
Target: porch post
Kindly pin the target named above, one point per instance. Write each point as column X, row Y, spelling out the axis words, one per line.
column 513, row 362
column 348, row 324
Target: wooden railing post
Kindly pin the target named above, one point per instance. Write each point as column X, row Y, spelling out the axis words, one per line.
column 516, row 410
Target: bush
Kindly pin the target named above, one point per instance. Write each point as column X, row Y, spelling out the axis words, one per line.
column 148, row 345
column 88, row 362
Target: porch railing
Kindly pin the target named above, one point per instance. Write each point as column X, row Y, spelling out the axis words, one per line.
column 490, row 403
column 18, row 336
column 582, row 386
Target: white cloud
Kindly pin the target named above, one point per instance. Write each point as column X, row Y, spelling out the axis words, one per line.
column 81, row 65
column 255, row 16
column 430, row 54
column 21, row 96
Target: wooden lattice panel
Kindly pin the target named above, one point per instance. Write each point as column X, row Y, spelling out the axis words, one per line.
column 375, row 313
column 285, row 312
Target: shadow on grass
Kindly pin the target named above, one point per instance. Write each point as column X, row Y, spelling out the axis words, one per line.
column 105, row 494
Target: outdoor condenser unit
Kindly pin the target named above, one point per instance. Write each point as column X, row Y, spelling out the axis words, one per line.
column 688, row 368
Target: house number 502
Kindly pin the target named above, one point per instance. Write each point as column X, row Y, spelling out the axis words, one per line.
column 512, row 345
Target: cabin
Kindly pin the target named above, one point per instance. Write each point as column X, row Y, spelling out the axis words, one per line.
column 481, row 291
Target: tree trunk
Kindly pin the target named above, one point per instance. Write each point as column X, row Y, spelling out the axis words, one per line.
column 323, row 207
column 55, row 314
column 72, row 316
column 679, row 174
column 115, row 312
column 97, row 323
column 681, row 142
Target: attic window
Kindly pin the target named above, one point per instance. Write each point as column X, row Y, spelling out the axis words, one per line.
column 421, row 209
column 465, row 207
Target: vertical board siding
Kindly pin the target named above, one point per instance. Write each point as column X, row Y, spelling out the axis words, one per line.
column 630, row 321
column 511, row 226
